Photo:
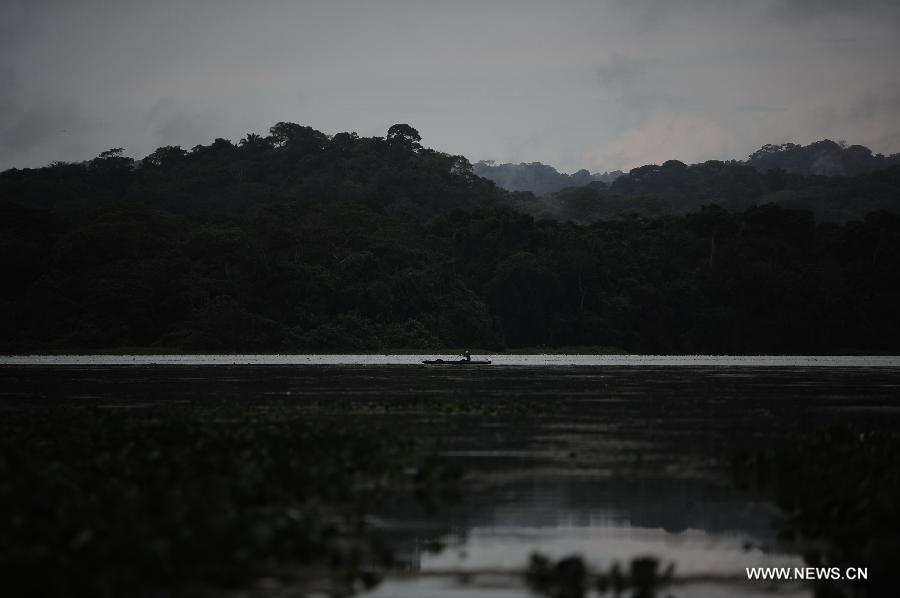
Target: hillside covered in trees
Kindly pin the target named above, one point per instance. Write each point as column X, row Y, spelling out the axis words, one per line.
column 299, row 241
column 537, row 178
column 677, row 188
column 824, row 158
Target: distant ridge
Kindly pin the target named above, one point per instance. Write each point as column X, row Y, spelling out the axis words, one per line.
column 825, row 157
column 822, row 158
column 299, row 242
column 536, row 177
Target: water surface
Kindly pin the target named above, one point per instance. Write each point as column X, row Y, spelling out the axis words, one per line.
column 608, row 457
column 498, row 360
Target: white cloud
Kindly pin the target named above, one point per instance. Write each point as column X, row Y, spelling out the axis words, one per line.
column 686, row 138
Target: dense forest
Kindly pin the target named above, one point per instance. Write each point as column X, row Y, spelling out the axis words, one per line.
column 538, row 178
column 824, row 158
column 678, row 188
column 300, row 241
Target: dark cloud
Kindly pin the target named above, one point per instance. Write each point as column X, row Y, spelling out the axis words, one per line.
column 28, row 123
column 618, row 70
column 648, row 16
column 15, row 22
column 630, row 82
column 798, row 11
column 475, row 75
column 757, row 108
column 883, row 101
column 39, row 123
column 875, row 112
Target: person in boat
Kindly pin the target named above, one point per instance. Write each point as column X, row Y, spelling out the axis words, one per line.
column 467, row 356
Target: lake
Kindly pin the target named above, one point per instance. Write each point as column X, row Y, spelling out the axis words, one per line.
column 609, row 457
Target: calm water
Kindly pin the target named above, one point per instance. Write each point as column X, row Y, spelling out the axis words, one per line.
column 614, row 457
column 501, row 360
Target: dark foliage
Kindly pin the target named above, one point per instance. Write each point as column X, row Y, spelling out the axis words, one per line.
column 839, row 491
column 570, row 578
column 538, row 178
column 303, row 242
column 822, row 158
column 193, row 498
column 676, row 188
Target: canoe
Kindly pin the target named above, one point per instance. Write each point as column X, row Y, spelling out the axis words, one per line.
column 456, row 362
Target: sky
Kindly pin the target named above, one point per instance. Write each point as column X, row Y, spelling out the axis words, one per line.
column 601, row 85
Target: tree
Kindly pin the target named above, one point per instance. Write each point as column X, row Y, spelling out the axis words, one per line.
column 252, row 140
column 112, row 169
column 165, row 157
column 403, row 134
column 298, row 138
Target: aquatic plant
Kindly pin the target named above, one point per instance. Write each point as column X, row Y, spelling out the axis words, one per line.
column 839, row 491
column 109, row 501
column 570, row 577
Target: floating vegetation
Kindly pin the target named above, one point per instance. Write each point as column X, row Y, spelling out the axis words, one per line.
column 198, row 497
column 570, row 578
column 839, row 491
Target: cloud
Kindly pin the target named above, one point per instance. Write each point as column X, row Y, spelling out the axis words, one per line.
column 41, row 122
column 35, row 129
column 17, row 21
column 481, row 87
column 882, row 101
column 870, row 117
column 631, row 83
column 800, row 11
column 619, row 70
column 649, row 16
column 531, row 146
column 173, row 122
column 686, row 138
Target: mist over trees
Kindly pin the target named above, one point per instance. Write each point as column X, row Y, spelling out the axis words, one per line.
column 537, row 178
column 825, row 177
column 826, row 158
column 676, row 188
column 301, row 241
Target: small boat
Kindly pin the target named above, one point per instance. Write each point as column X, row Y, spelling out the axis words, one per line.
column 456, row 361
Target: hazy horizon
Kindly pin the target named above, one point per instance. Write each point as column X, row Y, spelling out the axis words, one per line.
column 595, row 85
